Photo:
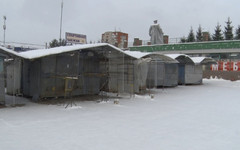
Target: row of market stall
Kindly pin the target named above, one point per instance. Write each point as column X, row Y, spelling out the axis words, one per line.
column 90, row 69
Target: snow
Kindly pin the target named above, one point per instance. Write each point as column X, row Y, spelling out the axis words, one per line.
column 198, row 60
column 33, row 54
column 202, row 60
column 174, row 56
column 136, row 54
column 202, row 117
column 140, row 55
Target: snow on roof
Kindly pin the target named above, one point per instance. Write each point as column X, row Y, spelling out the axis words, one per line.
column 198, row 59
column 174, row 56
column 177, row 56
column 202, row 60
column 136, row 54
column 33, row 54
column 139, row 55
column 8, row 51
column 57, row 50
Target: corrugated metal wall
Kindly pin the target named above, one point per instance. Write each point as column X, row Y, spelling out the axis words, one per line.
column 162, row 74
column 126, row 74
column 156, row 74
column 2, row 87
column 190, row 74
column 14, row 74
column 181, row 74
column 193, row 74
column 83, row 72
column 53, row 76
column 88, row 73
column 171, row 75
column 141, row 72
column 121, row 73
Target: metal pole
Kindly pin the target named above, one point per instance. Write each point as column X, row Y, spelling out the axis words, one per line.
column 61, row 24
column 4, row 28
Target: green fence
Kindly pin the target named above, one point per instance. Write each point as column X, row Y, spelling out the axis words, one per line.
column 189, row 46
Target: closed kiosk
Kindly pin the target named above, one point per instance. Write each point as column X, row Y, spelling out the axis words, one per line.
column 188, row 71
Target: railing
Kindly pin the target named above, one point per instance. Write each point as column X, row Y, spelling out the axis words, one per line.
column 11, row 45
column 235, row 44
column 145, row 42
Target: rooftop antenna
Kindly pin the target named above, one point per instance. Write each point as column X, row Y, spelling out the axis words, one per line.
column 61, row 23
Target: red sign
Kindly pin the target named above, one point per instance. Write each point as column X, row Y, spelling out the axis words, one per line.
column 226, row 66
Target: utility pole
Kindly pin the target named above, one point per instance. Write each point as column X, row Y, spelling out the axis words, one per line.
column 4, row 28
column 60, row 39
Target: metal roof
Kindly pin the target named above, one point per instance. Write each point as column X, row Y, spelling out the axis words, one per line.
column 34, row 54
column 203, row 60
column 181, row 58
column 154, row 56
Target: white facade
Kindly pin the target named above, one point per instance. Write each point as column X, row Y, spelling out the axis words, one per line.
column 109, row 37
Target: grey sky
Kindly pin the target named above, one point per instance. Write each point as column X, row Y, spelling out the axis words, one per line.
column 37, row 21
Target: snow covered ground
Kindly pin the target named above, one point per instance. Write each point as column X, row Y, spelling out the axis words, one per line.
column 204, row 117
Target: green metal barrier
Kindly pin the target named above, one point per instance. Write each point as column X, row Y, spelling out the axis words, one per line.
column 189, row 46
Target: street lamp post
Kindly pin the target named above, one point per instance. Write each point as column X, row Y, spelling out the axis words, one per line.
column 60, row 39
column 4, row 28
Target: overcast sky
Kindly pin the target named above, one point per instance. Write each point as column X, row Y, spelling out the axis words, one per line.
column 38, row 21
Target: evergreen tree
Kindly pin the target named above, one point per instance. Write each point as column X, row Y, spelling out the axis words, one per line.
column 191, row 36
column 228, row 33
column 199, row 35
column 62, row 42
column 183, row 40
column 56, row 43
column 237, row 37
column 218, row 36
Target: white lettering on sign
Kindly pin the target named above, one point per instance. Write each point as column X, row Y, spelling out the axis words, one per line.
column 235, row 66
column 214, row 67
column 224, row 66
